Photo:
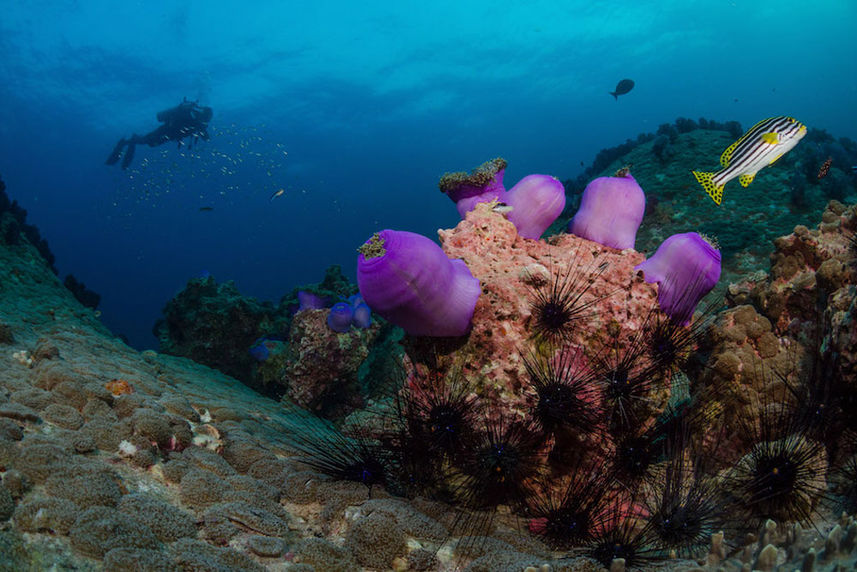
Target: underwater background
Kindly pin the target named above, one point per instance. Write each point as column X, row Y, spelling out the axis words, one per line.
column 277, row 345
column 356, row 110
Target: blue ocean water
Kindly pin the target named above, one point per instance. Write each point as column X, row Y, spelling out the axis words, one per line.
column 355, row 110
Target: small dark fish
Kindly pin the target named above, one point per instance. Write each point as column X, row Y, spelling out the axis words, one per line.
column 825, row 167
column 205, row 209
column 622, row 88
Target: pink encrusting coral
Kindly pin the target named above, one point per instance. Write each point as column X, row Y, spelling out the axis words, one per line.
column 509, row 268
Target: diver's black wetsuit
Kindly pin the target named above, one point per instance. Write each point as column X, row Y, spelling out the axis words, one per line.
column 187, row 119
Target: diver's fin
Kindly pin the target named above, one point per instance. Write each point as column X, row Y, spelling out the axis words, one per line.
column 745, row 180
column 129, row 155
column 114, row 156
column 707, row 181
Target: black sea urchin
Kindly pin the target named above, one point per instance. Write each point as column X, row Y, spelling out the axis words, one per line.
column 356, row 457
column 570, row 512
column 565, row 392
column 782, row 476
column 557, row 304
column 435, row 427
column 497, row 470
column 633, row 457
column 505, row 455
column 669, row 440
column 825, row 397
column 669, row 342
column 440, row 414
column 626, row 535
column 627, row 378
column 684, row 511
column 847, row 489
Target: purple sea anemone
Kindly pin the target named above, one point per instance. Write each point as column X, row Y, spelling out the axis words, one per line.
column 309, row 301
column 686, row 268
column 483, row 184
column 339, row 318
column 352, row 312
column 260, row 351
column 362, row 316
column 611, row 211
column 407, row 279
column 536, row 201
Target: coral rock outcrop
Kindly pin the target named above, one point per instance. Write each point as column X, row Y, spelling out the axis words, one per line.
column 510, row 268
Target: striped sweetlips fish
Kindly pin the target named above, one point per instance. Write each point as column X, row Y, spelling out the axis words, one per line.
column 764, row 143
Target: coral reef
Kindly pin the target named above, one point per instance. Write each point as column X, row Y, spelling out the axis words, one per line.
column 84, row 295
column 14, row 228
column 70, row 448
column 253, row 341
column 509, row 267
column 319, row 369
column 805, row 302
column 614, row 357
column 215, row 325
column 784, row 196
column 116, row 459
column 807, row 267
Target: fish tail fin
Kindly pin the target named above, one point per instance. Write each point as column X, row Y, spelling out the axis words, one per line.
column 714, row 190
column 614, row 94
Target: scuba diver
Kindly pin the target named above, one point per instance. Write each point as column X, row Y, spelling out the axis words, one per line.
column 187, row 119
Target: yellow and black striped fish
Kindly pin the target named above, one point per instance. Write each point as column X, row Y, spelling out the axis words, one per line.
column 764, row 143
